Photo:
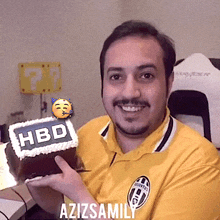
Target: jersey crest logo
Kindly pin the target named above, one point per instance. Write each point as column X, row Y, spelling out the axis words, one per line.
column 139, row 192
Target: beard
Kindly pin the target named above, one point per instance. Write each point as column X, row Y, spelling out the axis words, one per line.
column 133, row 131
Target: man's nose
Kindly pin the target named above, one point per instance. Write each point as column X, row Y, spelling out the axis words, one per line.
column 131, row 88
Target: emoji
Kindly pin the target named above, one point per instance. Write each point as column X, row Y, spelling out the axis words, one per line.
column 62, row 108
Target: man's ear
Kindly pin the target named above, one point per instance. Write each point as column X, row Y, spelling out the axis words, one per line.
column 170, row 83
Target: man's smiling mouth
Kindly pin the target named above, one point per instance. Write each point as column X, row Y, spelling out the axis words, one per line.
column 131, row 108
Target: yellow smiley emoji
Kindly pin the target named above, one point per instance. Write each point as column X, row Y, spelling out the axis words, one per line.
column 62, row 108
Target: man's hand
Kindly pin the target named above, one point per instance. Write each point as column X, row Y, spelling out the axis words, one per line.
column 68, row 183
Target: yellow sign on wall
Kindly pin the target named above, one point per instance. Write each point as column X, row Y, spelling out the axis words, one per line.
column 40, row 77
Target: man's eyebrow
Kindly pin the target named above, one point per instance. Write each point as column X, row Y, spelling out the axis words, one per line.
column 117, row 69
column 57, row 104
column 141, row 67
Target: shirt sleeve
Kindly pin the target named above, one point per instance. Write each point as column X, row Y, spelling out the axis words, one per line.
column 193, row 195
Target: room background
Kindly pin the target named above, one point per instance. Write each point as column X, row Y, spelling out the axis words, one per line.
column 72, row 32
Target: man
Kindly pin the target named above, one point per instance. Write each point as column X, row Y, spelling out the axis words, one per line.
column 138, row 155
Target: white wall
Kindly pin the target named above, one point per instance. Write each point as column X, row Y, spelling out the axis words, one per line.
column 193, row 24
column 71, row 32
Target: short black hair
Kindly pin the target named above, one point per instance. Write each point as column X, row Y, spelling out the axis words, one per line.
column 141, row 29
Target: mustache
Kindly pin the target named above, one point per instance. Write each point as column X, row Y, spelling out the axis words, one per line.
column 132, row 102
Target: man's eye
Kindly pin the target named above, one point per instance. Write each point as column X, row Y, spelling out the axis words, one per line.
column 147, row 76
column 115, row 77
column 58, row 108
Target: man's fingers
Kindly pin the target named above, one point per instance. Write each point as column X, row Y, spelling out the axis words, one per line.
column 40, row 181
column 62, row 164
column 33, row 179
column 52, row 179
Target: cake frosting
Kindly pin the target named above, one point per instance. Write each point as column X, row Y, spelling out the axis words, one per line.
column 34, row 144
column 45, row 149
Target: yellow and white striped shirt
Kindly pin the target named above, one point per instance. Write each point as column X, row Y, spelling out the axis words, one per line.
column 174, row 174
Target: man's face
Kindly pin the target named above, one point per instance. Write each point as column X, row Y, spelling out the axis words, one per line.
column 134, row 85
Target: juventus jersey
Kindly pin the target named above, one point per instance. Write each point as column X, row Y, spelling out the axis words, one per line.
column 173, row 174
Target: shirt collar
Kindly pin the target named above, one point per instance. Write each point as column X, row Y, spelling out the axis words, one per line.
column 104, row 131
column 157, row 141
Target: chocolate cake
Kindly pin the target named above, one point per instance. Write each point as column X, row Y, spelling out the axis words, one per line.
column 34, row 144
